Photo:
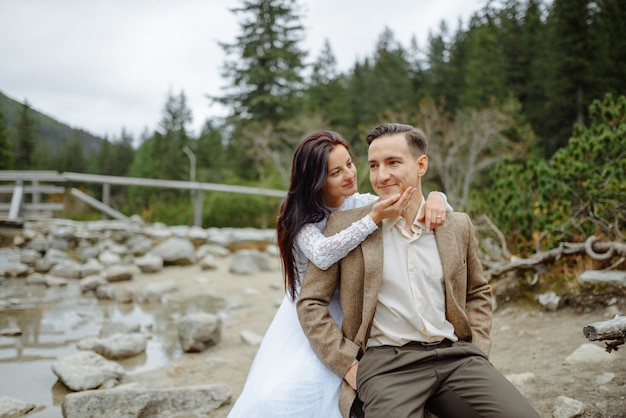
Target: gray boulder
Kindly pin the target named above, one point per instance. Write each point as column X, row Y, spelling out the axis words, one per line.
column 16, row 270
column 176, row 250
column 154, row 291
column 86, row 370
column 118, row 273
column 149, row 263
column 67, row 269
column 91, row 267
column 109, row 257
column 110, row 328
column 29, row 256
column 193, row 401
column 116, row 346
column 92, row 283
column 11, row 407
column 568, row 408
column 197, row 331
column 139, row 245
column 250, row 262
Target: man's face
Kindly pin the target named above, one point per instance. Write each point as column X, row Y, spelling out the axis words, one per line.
column 392, row 166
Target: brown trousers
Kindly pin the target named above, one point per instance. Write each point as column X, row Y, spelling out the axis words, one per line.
column 450, row 380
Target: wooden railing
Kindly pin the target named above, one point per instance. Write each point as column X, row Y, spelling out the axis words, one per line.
column 18, row 188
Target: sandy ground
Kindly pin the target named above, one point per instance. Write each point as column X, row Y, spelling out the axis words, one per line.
column 529, row 343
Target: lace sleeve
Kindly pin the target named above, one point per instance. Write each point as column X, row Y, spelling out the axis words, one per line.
column 325, row 251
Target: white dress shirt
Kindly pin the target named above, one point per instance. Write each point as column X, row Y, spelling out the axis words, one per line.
column 411, row 300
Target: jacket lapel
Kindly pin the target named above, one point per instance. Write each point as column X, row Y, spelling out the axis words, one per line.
column 446, row 243
column 373, row 273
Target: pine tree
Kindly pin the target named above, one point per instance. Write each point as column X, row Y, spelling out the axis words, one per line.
column 570, row 25
column 534, row 47
column 323, row 74
column 6, row 156
column 161, row 155
column 72, row 156
column 442, row 56
column 484, row 72
column 211, row 153
column 327, row 93
column 610, row 64
column 24, row 157
column 122, row 152
column 391, row 74
column 265, row 73
column 115, row 157
column 364, row 108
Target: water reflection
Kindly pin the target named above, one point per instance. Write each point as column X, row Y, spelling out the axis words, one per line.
column 40, row 325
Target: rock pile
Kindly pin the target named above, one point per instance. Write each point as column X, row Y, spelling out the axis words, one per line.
column 98, row 253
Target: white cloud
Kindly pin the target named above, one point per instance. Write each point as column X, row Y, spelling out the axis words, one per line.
column 102, row 65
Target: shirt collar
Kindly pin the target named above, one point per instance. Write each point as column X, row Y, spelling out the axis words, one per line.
column 389, row 223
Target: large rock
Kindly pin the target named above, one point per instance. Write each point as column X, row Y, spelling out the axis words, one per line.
column 67, row 269
column 86, row 370
column 91, row 267
column 158, row 231
column 29, row 256
column 212, row 249
column 176, row 250
column 568, row 408
column 118, row 294
column 118, row 273
column 109, row 258
column 116, row 346
column 149, row 263
column 193, row 401
column 589, row 353
column 154, row 291
column 11, row 407
column 250, row 262
column 197, row 331
column 39, row 244
column 110, row 328
column 197, row 235
column 16, row 269
column 55, row 255
column 92, row 283
column 139, row 245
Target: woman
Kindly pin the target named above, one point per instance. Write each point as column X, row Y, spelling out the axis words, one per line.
column 286, row 378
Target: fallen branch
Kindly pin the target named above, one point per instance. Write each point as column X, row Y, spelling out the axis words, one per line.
column 614, row 329
column 591, row 247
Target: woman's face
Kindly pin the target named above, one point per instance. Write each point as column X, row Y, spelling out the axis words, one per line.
column 341, row 181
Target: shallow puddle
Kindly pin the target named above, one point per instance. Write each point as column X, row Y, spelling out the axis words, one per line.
column 49, row 321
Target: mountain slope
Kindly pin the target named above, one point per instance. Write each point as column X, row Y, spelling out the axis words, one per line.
column 54, row 132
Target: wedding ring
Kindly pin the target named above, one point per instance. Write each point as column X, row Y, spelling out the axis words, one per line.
column 438, row 217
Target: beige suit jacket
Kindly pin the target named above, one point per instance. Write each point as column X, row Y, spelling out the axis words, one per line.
column 359, row 276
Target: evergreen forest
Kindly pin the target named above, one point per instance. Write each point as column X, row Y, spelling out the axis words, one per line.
column 524, row 105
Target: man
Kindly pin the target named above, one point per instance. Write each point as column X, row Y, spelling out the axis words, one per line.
column 417, row 309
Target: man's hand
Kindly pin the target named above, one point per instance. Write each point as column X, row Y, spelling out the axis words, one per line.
column 350, row 377
column 434, row 213
column 392, row 206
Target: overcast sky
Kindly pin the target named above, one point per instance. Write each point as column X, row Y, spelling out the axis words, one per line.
column 104, row 65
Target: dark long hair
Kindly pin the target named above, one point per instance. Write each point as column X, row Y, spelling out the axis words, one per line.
column 305, row 200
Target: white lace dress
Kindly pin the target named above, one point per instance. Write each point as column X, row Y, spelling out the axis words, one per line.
column 286, row 378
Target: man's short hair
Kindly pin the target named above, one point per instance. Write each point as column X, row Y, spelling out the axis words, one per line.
column 415, row 137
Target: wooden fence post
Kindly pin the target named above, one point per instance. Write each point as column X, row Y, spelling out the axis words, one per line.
column 197, row 208
column 16, row 200
column 106, row 197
